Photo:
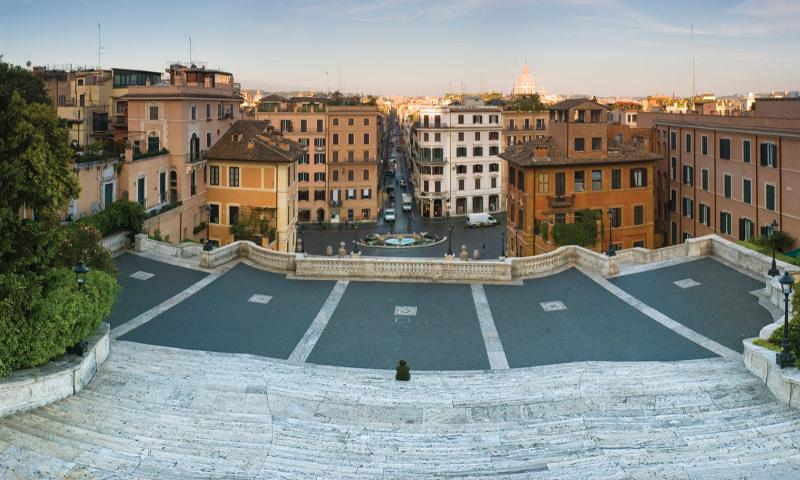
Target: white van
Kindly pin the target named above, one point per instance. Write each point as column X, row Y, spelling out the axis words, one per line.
column 480, row 220
column 388, row 214
column 407, row 201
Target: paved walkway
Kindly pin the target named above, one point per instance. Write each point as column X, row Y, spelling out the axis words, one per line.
column 156, row 412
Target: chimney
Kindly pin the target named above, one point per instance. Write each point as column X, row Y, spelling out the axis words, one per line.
column 540, row 151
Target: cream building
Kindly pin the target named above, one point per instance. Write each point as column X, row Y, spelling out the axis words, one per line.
column 525, row 85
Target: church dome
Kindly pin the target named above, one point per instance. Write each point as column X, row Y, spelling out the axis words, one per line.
column 525, row 85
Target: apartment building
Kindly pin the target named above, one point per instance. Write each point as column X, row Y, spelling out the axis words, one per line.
column 729, row 175
column 338, row 176
column 171, row 125
column 253, row 172
column 578, row 167
column 520, row 126
column 87, row 106
column 56, row 84
column 304, row 120
column 455, row 165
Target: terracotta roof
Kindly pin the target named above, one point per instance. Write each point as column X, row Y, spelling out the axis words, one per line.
column 255, row 141
column 272, row 98
column 546, row 152
column 573, row 102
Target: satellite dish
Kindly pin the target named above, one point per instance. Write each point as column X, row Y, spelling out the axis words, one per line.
column 28, row 64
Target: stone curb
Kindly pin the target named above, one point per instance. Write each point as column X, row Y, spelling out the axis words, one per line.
column 783, row 383
column 31, row 388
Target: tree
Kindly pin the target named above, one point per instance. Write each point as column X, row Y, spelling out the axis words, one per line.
column 527, row 103
column 34, row 155
column 254, row 223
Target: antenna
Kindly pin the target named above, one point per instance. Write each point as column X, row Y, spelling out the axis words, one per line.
column 694, row 85
column 99, row 46
column 190, row 51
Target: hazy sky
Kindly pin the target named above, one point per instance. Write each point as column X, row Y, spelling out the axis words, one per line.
column 417, row 47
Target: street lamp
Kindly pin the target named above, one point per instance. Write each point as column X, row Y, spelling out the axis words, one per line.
column 502, row 241
column 610, row 251
column 208, row 247
column 773, row 233
column 80, row 273
column 355, row 240
column 450, row 240
column 785, row 358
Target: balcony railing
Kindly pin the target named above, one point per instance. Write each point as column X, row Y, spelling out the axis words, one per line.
column 335, row 203
column 203, row 155
column 560, row 201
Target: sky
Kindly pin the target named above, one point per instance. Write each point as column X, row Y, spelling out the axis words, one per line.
column 427, row 47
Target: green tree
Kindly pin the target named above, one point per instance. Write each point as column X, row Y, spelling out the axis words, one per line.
column 253, row 223
column 527, row 103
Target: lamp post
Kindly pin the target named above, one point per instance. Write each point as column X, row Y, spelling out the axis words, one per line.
column 355, row 240
column 502, row 241
column 785, row 358
column 80, row 273
column 208, row 247
column 773, row 233
column 450, row 240
column 610, row 252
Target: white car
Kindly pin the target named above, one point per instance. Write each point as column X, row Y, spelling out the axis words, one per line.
column 388, row 215
column 403, row 183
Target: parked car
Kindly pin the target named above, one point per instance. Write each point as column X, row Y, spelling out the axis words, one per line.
column 388, row 214
column 403, row 183
column 480, row 220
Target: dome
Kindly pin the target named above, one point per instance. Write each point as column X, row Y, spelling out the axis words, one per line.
column 525, row 85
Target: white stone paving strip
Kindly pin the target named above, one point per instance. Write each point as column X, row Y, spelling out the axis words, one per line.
column 162, row 307
column 494, row 347
column 309, row 340
column 659, row 317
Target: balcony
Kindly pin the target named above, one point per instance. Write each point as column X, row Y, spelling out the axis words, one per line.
column 560, row 201
column 203, row 156
column 335, row 203
column 430, row 125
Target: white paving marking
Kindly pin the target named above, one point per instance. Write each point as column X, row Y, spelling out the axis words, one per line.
column 494, row 346
column 310, row 339
column 258, row 298
column 145, row 317
column 659, row 317
column 140, row 275
column 400, row 311
column 553, row 306
column 686, row 283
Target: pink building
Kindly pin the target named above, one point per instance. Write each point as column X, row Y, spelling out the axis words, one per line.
column 730, row 175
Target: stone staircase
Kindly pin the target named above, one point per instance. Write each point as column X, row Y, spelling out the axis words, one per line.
column 156, row 412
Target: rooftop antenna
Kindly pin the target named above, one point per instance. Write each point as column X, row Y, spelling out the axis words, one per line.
column 694, row 85
column 99, row 46
column 328, row 83
column 190, row 51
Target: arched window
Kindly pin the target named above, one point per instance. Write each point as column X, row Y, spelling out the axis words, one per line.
column 153, row 145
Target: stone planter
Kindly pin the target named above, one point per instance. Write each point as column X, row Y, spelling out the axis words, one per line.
column 783, row 383
column 35, row 387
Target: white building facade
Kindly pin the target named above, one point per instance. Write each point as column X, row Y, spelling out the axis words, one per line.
column 454, row 156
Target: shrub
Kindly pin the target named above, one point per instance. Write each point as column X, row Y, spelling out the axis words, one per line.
column 82, row 243
column 120, row 215
column 782, row 241
column 38, row 325
column 583, row 231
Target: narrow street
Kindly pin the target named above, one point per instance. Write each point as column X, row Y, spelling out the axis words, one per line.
column 487, row 240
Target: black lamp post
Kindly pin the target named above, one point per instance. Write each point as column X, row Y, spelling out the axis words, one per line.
column 80, row 273
column 450, row 240
column 502, row 241
column 355, row 240
column 610, row 252
column 785, row 358
column 208, row 247
column 773, row 233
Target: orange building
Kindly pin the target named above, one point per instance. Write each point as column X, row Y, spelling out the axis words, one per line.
column 578, row 167
column 253, row 170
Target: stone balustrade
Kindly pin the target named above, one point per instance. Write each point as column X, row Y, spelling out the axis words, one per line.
column 34, row 387
column 181, row 250
column 116, row 243
column 393, row 268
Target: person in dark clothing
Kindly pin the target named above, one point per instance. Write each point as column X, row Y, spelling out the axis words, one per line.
column 403, row 372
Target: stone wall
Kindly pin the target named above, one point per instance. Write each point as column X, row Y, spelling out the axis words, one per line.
column 116, row 243
column 34, row 387
column 182, row 250
column 783, row 383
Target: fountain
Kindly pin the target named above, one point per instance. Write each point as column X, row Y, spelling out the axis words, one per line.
column 400, row 240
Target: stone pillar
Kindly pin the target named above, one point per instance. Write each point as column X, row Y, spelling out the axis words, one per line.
column 205, row 259
column 329, row 251
column 463, row 255
column 139, row 240
column 476, row 254
column 342, row 249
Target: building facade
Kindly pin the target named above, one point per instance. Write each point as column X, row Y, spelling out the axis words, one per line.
column 253, row 174
column 454, row 156
column 729, row 175
column 578, row 168
column 338, row 176
column 171, row 126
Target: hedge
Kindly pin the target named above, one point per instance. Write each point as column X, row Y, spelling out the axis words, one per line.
column 794, row 330
column 120, row 215
column 38, row 325
column 582, row 232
